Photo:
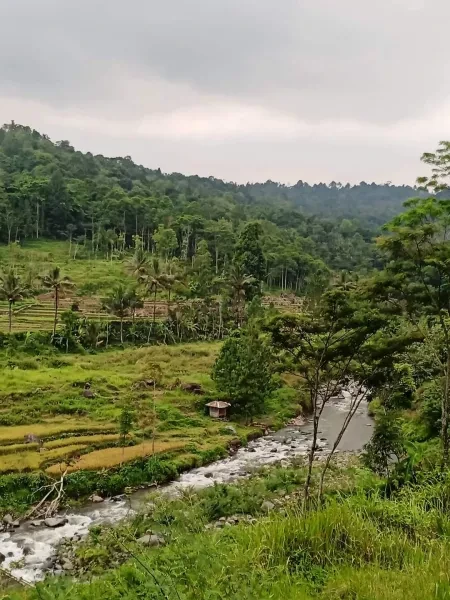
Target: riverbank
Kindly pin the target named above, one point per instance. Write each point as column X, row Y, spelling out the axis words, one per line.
column 282, row 447
column 79, row 430
column 251, row 540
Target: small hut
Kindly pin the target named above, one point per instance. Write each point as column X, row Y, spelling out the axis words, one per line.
column 218, row 409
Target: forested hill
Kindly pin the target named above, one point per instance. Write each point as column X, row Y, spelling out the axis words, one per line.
column 50, row 189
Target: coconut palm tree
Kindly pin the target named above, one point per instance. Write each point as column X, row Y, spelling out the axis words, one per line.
column 237, row 282
column 11, row 289
column 120, row 304
column 152, row 279
column 137, row 264
column 53, row 281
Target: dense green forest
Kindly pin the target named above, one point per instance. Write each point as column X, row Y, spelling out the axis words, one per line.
column 51, row 190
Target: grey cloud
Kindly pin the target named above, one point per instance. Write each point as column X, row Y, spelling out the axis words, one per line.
column 313, row 58
column 314, row 61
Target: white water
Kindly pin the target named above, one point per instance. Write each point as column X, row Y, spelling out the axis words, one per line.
column 40, row 543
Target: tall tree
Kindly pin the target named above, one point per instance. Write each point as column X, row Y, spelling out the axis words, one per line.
column 340, row 339
column 249, row 257
column 416, row 278
column 12, row 290
column 119, row 304
column 58, row 284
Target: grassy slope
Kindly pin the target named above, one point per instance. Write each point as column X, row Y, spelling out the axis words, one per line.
column 43, row 395
column 359, row 546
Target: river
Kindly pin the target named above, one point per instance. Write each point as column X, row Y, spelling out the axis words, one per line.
column 29, row 549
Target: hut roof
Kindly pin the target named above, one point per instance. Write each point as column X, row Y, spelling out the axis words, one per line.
column 218, row 404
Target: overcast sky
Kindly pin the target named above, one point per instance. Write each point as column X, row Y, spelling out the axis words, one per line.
column 245, row 90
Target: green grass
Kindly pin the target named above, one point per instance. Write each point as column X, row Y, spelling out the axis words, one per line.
column 358, row 546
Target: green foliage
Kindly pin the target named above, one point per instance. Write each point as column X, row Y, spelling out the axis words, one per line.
column 387, row 446
column 249, row 258
column 244, row 372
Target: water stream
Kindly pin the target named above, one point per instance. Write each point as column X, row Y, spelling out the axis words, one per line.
column 28, row 550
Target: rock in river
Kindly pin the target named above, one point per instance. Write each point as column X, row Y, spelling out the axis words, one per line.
column 55, row 522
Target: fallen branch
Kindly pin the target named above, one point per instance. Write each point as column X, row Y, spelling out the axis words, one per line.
column 52, row 508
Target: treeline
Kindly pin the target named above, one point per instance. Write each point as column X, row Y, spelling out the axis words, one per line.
column 51, row 190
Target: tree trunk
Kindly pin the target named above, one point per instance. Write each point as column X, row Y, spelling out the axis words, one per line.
column 312, row 450
column 56, row 311
column 37, row 220
column 121, row 330
column 154, row 306
column 10, row 316
column 445, row 414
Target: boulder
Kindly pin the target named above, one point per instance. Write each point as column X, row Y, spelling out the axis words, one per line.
column 67, row 565
column 267, row 506
column 209, row 475
column 8, row 520
column 36, row 523
column 273, row 450
column 54, row 522
column 96, row 499
column 152, row 540
column 193, row 388
column 49, row 563
column 2, row 558
column 27, row 550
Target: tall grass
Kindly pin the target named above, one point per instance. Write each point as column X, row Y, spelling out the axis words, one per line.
column 341, row 551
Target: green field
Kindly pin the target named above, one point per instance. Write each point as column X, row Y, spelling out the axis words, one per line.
column 43, row 396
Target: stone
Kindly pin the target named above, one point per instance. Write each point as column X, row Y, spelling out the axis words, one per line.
column 118, row 498
column 267, row 506
column 209, row 475
column 36, row 523
column 49, row 563
column 27, row 550
column 96, row 499
column 15, row 524
column 251, row 450
column 218, row 524
column 67, row 565
column 8, row 520
column 54, row 522
column 273, row 450
column 228, row 524
column 2, row 558
column 152, row 540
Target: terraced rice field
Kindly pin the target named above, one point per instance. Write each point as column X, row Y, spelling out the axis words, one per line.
column 46, row 400
column 39, row 315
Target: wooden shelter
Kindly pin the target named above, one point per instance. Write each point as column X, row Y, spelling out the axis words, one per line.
column 218, row 409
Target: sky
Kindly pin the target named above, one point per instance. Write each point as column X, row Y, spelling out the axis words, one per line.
column 244, row 90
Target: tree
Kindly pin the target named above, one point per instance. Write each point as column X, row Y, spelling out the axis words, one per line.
column 53, row 281
column 249, row 257
column 153, row 279
column 340, row 340
column 137, row 264
column 119, row 304
column 244, row 372
column 166, row 241
column 238, row 281
column 12, row 290
column 202, row 269
column 416, row 279
column 386, row 444
column 126, row 421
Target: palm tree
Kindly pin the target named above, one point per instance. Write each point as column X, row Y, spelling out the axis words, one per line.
column 119, row 304
column 152, row 279
column 11, row 289
column 238, row 281
column 53, row 281
column 137, row 264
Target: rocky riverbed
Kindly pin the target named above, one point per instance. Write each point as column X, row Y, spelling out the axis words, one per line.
column 30, row 550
